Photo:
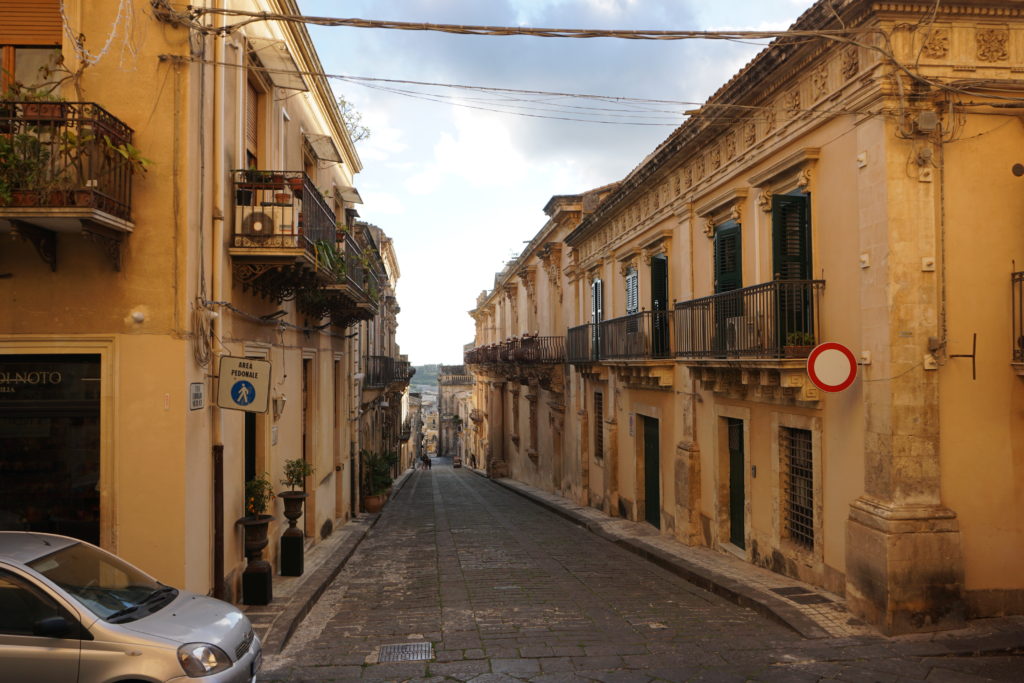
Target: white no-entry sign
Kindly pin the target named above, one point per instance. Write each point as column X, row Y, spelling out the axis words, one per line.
column 831, row 366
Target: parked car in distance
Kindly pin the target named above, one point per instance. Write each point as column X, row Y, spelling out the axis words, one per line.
column 457, row 461
column 70, row 611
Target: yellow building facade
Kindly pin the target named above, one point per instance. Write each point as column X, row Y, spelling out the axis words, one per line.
column 186, row 193
column 863, row 188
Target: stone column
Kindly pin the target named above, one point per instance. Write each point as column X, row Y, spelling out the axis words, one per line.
column 687, row 483
column 904, row 566
column 611, row 468
column 497, row 466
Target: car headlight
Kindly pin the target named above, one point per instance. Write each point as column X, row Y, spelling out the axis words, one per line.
column 202, row 659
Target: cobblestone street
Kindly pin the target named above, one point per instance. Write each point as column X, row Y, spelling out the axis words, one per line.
column 505, row 590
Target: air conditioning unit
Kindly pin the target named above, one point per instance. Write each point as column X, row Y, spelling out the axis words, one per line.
column 255, row 227
column 745, row 333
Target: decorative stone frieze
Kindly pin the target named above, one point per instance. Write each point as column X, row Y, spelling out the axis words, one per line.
column 730, row 145
column 936, row 46
column 850, row 62
column 750, row 134
column 993, row 44
column 819, row 81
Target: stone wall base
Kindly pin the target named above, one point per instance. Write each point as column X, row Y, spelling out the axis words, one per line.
column 995, row 602
column 904, row 567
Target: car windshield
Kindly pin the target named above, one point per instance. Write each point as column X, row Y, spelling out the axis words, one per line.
column 108, row 586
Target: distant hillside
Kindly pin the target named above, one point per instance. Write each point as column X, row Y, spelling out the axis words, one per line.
column 426, row 374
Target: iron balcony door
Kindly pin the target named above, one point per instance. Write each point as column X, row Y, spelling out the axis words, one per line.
column 737, row 487
column 728, row 277
column 652, row 472
column 596, row 316
column 660, row 346
column 791, row 262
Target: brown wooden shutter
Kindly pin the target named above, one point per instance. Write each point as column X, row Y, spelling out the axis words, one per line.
column 30, row 22
column 251, row 119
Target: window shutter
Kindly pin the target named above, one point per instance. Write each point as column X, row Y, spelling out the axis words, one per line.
column 659, row 283
column 728, row 262
column 596, row 308
column 251, row 119
column 30, row 22
column 632, row 297
column 791, row 235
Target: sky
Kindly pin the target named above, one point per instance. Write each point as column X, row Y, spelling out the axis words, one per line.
column 460, row 188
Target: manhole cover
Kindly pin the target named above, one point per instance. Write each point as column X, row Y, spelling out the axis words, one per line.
column 405, row 652
column 809, row 599
column 791, row 590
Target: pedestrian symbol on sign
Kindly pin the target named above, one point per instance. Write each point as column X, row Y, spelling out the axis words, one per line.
column 243, row 393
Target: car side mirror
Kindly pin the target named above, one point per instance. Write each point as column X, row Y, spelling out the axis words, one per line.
column 52, row 627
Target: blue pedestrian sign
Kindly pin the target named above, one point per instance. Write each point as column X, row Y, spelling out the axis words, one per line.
column 244, row 384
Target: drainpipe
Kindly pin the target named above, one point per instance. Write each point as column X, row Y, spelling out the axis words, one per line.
column 216, row 287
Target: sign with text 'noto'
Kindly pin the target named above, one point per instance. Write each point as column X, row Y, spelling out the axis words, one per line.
column 244, row 384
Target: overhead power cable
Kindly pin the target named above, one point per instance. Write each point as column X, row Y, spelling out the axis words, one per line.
column 466, row 29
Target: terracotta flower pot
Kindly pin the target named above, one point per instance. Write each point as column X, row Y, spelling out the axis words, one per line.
column 373, row 503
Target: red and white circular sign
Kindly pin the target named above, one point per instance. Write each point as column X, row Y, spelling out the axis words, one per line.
column 831, row 366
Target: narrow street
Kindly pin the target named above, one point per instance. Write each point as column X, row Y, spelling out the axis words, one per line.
column 504, row 590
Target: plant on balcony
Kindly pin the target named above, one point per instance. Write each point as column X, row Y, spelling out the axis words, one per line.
column 23, row 164
column 331, row 259
column 798, row 344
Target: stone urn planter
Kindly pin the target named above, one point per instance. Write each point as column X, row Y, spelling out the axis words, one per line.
column 373, row 503
column 256, row 579
column 292, row 540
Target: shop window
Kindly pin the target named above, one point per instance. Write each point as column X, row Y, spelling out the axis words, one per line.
column 795, row 447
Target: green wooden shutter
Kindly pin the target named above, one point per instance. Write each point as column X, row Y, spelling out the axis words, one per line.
column 659, row 283
column 791, row 237
column 728, row 261
column 632, row 297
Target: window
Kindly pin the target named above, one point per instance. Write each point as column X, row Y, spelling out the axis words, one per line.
column 632, row 293
column 598, row 425
column 21, row 606
column 728, row 261
column 30, row 38
column 798, row 485
column 791, row 237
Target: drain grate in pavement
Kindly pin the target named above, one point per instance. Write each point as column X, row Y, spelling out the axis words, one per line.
column 811, row 599
column 405, row 652
column 790, row 590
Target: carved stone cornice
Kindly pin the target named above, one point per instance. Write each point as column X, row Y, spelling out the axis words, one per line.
column 724, row 207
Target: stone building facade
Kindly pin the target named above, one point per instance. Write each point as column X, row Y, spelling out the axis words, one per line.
column 186, row 195
column 864, row 188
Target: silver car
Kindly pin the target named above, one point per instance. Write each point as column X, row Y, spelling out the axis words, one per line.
column 71, row 612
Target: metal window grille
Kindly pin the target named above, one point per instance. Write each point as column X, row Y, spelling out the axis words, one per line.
column 798, row 482
column 598, row 425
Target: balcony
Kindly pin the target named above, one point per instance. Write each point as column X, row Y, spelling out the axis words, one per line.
column 382, row 371
column 640, row 336
column 528, row 350
column 283, row 231
column 66, row 167
column 351, row 294
column 773, row 320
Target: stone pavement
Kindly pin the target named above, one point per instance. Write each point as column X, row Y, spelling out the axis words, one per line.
column 499, row 589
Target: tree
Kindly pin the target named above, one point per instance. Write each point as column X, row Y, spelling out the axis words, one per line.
column 353, row 120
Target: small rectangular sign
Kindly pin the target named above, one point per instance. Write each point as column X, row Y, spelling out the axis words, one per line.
column 244, row 384
column 196, row 396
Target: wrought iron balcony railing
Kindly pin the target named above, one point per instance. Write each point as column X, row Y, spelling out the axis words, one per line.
column 65, row 155
column 524, row 351
column 384, row 370
column 643, row 335
column 776, row 319
column 281, row 210
column 646, row 335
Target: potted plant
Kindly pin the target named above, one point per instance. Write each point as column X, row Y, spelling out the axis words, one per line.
column 256, row 579
column 295, row 473
column 798, row 344
column 376, row 479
